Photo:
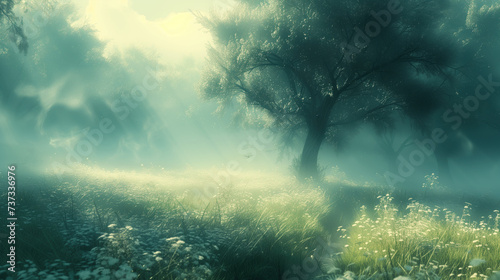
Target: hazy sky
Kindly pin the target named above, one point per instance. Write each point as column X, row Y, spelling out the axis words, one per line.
column 83, row 60
column 167, row 28
column 71, row 81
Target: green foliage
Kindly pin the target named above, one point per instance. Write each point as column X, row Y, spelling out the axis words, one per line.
column 112, row 226
column 308, row 66
column 289, row 58
column 117, row 225
column 17, row 35
column 423, row 243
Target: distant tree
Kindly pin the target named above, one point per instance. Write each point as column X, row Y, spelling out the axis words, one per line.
column 17, row 35
column 467, row 115
column 316, row 66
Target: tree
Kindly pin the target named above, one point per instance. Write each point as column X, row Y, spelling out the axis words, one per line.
column 466, row 115
column 316, row 66
column 17, row 35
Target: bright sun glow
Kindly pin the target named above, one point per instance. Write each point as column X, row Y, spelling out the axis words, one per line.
column 176, row 36
column 250, row 139
column 178, row 24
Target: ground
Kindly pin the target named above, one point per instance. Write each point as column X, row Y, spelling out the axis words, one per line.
column 97, row 224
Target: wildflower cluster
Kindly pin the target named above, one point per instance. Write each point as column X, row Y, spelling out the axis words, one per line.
column 423, row 243
column 432, row 182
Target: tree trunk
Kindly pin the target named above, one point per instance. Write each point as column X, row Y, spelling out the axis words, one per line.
column 309, row 159
column 316, row 130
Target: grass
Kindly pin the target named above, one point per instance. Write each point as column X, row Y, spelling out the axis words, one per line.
column 421, row 243
column 96, row 224
column 103, row 226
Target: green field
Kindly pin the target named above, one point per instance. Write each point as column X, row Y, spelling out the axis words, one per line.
column 96, row 224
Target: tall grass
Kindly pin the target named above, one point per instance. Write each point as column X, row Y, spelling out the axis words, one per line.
column 110, row 227
column 421, row 243
column 107, row 225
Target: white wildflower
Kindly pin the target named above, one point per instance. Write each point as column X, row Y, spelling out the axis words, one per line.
column 172, row 239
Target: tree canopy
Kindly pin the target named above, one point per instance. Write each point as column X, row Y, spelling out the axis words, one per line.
column 17, row 35
column 317, row 66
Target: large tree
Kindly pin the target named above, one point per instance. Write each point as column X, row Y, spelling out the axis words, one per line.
column 318, row 65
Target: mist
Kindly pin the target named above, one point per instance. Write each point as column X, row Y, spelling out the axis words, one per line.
column 68, row 84
column 77, row 75
column 263, row 107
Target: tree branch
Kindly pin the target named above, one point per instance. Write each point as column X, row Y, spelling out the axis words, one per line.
column 363, row 115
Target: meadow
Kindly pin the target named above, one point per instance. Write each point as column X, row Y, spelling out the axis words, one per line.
column 97, row 224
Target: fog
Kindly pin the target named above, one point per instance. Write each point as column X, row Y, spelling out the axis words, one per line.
column 250, row 139
column 69, row 82
column 95, row 91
